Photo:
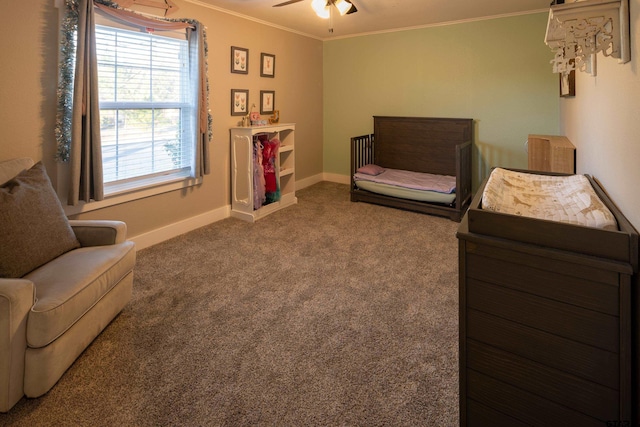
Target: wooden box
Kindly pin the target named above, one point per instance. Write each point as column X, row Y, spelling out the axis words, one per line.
column 549, row 153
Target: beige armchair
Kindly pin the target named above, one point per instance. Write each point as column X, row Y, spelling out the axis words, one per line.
column 49, row 315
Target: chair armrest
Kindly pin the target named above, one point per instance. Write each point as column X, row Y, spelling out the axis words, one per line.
column 17, row 296
column 99, row 232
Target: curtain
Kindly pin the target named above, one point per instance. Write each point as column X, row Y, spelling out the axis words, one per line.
column 142, row 21
column 85, row 155
column 199, row 75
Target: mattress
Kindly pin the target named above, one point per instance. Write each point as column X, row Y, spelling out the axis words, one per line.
column 568, row 199
column 407, row 193
column 419, row 186
column 409, row 179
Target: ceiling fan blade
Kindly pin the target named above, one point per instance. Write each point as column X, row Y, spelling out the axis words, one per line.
column 352, row 10
column 286, row 3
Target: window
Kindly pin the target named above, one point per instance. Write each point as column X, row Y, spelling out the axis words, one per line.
column 137, row 85
column 147, row 108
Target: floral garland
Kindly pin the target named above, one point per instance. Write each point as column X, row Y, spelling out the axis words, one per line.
column 69, row 27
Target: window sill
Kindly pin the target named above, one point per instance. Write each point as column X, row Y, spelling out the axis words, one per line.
column 119, row 198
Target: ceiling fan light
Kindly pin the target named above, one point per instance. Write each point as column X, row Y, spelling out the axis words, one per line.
column 321, row 8
column 324, row 13
column 343, row 6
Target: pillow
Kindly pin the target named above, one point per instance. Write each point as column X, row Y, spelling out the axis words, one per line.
column 33, row 227
column 12, row 167
column 371, row 169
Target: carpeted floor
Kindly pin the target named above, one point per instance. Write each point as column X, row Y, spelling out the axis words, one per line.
column 327, row 313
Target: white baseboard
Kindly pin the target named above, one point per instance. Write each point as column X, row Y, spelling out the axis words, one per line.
column 308, row 182
column 334, row 177
column 177, row 228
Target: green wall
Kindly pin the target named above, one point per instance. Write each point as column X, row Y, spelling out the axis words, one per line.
column 495, row 71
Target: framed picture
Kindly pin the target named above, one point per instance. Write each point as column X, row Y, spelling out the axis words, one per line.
column 275, row 117
column 568, row 84
column 267, row 101
column 239, row 102
column 267, row 65
column 239, row 60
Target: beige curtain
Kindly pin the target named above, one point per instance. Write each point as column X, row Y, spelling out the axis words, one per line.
column 142, row 21
column 196, row 38
column 85, row 152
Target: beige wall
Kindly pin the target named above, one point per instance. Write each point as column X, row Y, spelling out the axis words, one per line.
column 603, row 122
column 494, row 71
column 29, row 46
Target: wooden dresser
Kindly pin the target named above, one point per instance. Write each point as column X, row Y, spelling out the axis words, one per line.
column 548, row 321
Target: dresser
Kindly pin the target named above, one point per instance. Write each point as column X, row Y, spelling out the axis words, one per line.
column 548, row 321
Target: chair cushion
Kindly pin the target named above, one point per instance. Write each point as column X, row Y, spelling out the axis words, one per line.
column 70, row 285
column 33, row 227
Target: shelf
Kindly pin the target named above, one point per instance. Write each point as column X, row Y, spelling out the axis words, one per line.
column 578, row 30
column 242, row 170
column 267, row 128
column 286, row 171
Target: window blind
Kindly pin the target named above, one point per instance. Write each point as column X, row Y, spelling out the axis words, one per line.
column 147, row 110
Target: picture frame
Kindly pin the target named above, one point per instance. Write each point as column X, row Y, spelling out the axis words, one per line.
column 275, row 117
column 267, row 65
column 239, row 60
column 568, row 84
column 267, row 101
column 239, row 102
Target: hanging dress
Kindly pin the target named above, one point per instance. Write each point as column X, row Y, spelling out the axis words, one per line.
column 258, row 176
column 269, row 153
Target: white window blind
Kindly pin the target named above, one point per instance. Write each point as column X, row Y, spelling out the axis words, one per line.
column 147, row 108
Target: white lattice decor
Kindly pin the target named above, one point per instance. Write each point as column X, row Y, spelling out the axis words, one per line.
column 579, row 29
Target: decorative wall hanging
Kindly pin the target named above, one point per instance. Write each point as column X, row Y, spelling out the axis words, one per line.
column 239, row 102
column 267, row 65
column 267, row 101
column 578, row 30
column 239, row 60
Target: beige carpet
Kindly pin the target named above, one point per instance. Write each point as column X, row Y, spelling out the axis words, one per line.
column 327, row 313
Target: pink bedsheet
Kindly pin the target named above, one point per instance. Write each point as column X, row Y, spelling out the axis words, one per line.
column 415, row 180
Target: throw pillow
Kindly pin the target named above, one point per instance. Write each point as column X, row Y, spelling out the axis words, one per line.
column 371, row 169
column 33, row 227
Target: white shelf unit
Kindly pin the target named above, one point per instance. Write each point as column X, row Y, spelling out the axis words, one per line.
column 242, row 140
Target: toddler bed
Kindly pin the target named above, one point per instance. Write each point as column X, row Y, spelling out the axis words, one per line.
column 548, row 270
column 416, row 163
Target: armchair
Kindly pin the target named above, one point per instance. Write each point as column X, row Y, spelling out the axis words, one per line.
column 49, row 315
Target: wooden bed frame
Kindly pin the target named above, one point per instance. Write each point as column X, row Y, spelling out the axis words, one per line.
column 439, row 146
column 548, row 320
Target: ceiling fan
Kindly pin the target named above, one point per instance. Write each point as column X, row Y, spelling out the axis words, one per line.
column 323, row 7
